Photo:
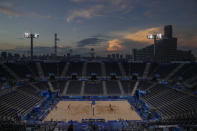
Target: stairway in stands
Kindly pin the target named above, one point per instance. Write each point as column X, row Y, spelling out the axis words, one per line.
column 10, row 72
column 35, row 87
column 65, row 88
column 50, row 86
column 121, row 88
column 40, row 70
column 146, row 70
column 103, row 69
column 123, row 73
column 104, row 88
column 187, row 82
column 82, row 88
column 135, row 88
column 174, row 71
column 191, row 79
column 84, row 69
column 169, row 75
column 65, row 69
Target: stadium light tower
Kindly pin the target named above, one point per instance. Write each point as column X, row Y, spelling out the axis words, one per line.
column 155, row 37
column 56, row 39
column 31, row 36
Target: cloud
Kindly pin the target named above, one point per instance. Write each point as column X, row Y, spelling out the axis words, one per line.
column 141, row 35
column 90, row 41
column 81, row 13
column 36, row 15
column 100, row 8
column 123, row 45
column 84, row 13
column 125, row 41
column 122, row 5
column 138, row 36
column 128, row 40
column 115, row 45
column 79, row 0
column 8, row 11
column 9, row 8
column 187, row 39
column 101, row 36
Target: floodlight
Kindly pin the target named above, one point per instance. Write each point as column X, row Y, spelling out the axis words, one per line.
column 150, row 36
column 27, row 35
column 154, row 36
column 159, row 36
column 36, row 35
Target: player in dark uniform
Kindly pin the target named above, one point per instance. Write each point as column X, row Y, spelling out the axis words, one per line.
column 68, row 108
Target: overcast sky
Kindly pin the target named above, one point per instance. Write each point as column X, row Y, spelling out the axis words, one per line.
column 106, row 25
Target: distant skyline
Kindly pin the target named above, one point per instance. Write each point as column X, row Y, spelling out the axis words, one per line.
column 106, row 25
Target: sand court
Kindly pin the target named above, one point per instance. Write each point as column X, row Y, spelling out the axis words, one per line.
column 78, row 110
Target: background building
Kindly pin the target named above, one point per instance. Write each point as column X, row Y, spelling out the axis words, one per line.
column 165, row 50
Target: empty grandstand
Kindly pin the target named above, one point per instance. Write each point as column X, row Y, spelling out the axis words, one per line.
column 161, row 94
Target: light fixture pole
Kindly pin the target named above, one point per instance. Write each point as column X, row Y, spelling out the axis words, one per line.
column 31, row 37
column 55, row 40
column 154, row 37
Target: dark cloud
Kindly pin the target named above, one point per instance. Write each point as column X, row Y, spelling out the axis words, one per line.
column 129, row 45
column 8, row 8
column 101, row 36
column 90, row 41
column 134, row 44
column 100, row 8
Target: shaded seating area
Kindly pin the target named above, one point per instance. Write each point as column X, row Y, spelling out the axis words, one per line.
column 163, row 70
column 75, row 67
column 134, row 68
column 42, row 85
column 172, row 104
column 128, row 86
column 112, row 87
column 112, row 67
column 59, row 85
column 50, row 68
column 74, row 87
column 93, row 67
column 55, row 68
column 186, row 72
column 17, row 103
column 93, row 88
column 32, row 67
column 20, row 69
column 144, row 84
column 5, row 74
column 138, row 68
column 27, row 88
